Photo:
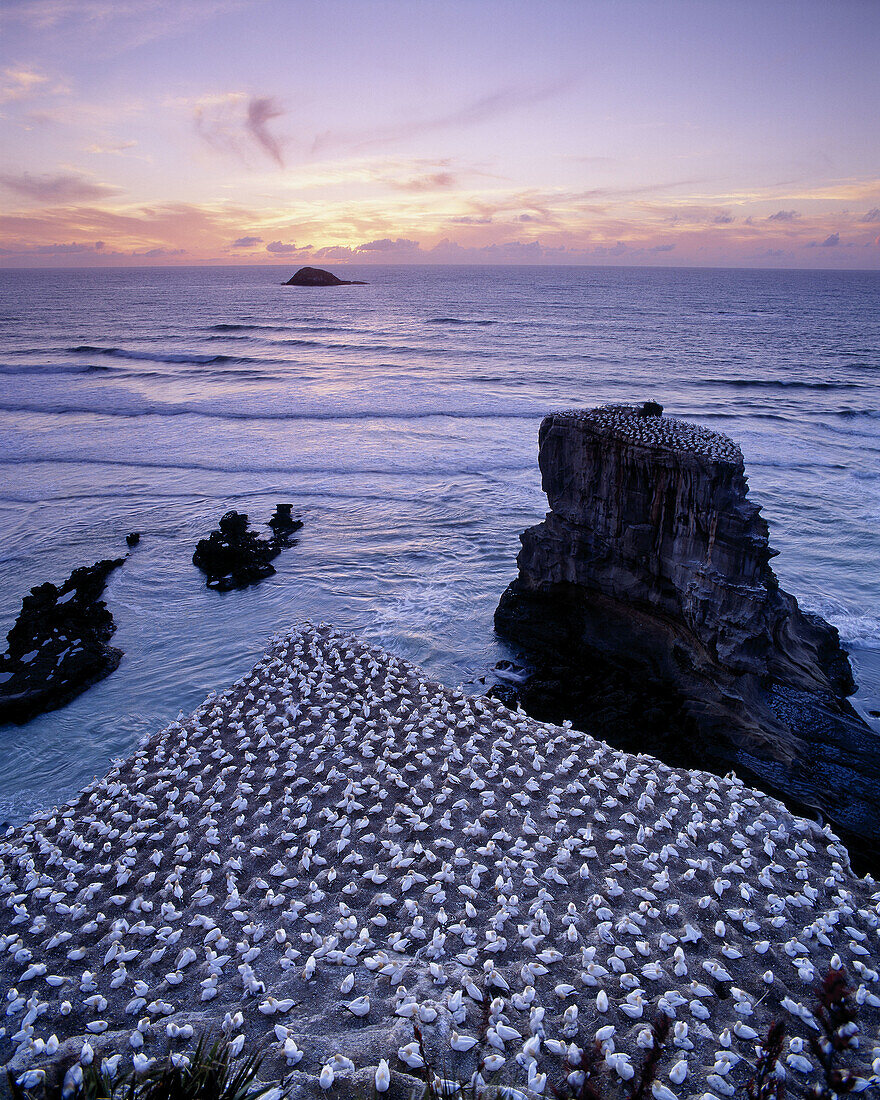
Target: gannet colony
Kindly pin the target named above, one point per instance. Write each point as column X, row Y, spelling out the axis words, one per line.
column 336, row 851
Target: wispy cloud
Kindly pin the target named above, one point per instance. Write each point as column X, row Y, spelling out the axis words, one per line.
column 111, row 27
column 484, row 108
column 260, row 113
column 237, row 124
column 21, row 83
column 431, row 181
column 114, row 148
column 65, row 187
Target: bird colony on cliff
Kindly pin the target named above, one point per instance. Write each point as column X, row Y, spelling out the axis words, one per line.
column 337, row 851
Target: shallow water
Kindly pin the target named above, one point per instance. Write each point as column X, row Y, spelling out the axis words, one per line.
column 400, row 419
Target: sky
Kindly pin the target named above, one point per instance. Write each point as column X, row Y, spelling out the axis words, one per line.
column 655, row 132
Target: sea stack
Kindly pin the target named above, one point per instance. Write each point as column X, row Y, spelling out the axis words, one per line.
column 654, row 563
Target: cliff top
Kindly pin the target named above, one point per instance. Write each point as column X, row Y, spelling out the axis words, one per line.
column 335, row 849
column 645, row 426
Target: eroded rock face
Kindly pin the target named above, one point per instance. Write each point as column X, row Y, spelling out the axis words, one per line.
column 58, row 645
column 654, row 564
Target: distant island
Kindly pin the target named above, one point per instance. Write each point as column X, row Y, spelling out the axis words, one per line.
column 316, row 276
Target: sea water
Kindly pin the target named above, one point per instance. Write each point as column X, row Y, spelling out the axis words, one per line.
column 400, row 419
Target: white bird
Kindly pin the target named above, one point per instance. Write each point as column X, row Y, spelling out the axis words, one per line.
column 360, row 1006
column 383, row 1076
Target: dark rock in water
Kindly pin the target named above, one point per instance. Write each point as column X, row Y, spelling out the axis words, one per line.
column 134, row 538
column 235, row 557
column 316, row 276
column 57, row 647
column 283, row 524
column 648, row 607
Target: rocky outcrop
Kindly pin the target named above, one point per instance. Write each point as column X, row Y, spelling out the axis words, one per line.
column 235, row 557
column 652, row 573
column 337, row 863
column 58, row 645
column 316, row 276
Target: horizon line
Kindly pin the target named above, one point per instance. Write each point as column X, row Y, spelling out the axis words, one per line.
column 214, row 265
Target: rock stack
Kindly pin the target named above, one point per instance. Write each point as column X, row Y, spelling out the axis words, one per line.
column 654, row 564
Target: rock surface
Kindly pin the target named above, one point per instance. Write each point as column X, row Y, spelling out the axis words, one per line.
column 235, row 557
column 336, row 850
column 58, row 645
column 316, row 276
column 651, row 577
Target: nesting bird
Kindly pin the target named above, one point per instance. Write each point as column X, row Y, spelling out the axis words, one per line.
column 335, row 824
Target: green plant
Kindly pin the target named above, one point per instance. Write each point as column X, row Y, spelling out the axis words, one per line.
column 208, row 1074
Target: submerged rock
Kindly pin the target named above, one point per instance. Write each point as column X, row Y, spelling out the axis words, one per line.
column 235, row 557
column 316, row 276
column 58, row 645
column 648, row 588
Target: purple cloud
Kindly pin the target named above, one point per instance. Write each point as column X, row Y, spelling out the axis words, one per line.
column 234, row 124
column 281, row 249
column 63, row 187
column 387, row 245
column 483, row 109
column 784, row 216
column 333, row 252
column 247, row 242
column 260, row 113
column 98, row 248
column 831, row 241
column 872, row 215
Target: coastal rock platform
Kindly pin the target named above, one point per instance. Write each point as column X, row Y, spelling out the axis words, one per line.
column 337, row 851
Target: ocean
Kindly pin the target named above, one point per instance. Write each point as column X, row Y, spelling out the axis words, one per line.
column 400, row 419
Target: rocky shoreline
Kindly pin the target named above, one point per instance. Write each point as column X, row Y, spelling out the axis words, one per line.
column 651, row 576
column 336, row 852
column 58, row 645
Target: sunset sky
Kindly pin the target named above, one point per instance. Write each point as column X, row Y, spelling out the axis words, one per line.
column 440, row 131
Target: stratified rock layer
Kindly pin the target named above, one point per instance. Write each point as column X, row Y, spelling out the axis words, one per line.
column 654, row 560
column 336, row 851
column 58, row 645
